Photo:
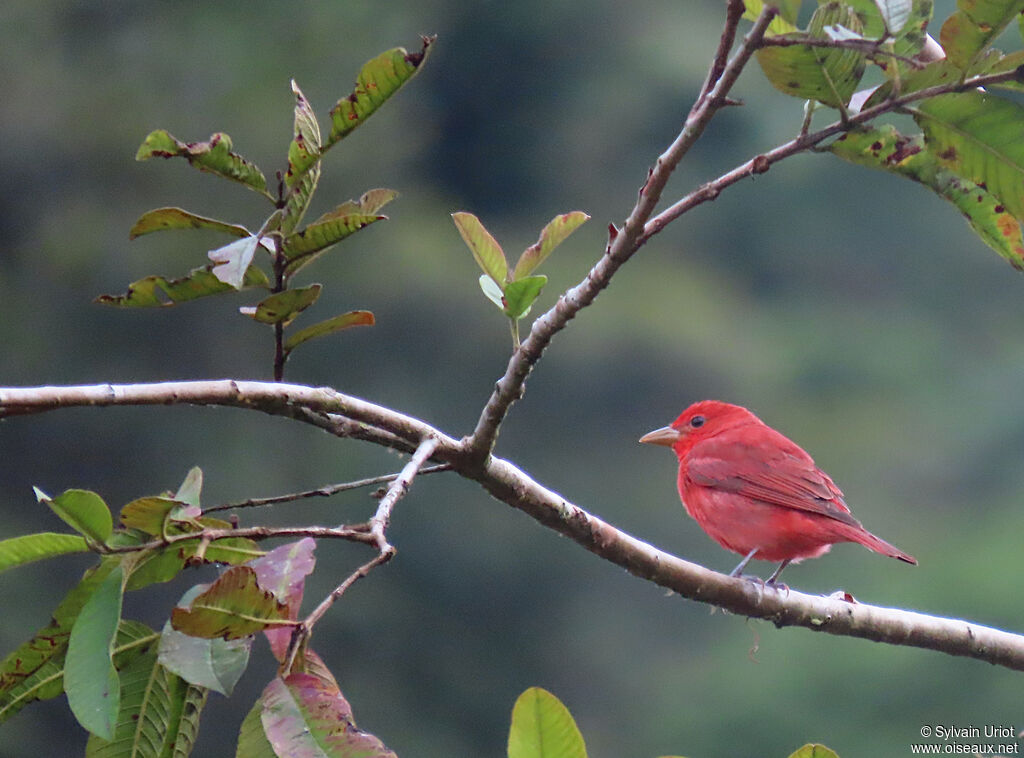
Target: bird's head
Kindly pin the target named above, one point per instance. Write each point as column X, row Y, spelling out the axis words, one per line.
column 700, row 421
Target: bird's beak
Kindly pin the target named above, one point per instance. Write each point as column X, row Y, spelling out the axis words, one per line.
column 666, row 436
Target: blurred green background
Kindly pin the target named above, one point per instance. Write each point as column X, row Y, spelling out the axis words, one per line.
column 854, row 312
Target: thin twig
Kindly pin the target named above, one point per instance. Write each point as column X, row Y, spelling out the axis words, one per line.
column 378, row 525
column 359, row 533
column 867, row 47
column 761, row 163
column 733, row 13
column 620, row 248
column 325, row 491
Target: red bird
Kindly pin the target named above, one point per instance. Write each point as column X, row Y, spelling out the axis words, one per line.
column 756, row 492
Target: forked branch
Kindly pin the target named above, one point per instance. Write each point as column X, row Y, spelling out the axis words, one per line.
column 514, row 487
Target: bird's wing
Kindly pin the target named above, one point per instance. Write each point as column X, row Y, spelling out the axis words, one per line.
column 769, row 468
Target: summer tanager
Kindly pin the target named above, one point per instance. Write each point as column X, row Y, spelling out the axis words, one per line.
column 756, row 492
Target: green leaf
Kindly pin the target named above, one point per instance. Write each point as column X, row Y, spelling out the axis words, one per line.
column 813, row 751
column 155, row 567
column 332, row 227
column 231, row 550
column 47, row 681
column 252, row 740
column 157, row 291
column 191, row 488
column 159, row 714
column 553, row 235
column 304, row 716
column 17, row 551
column 913, row 80
column 486, row 250
column 213, row 663
column 542, row 726
column 827, row 75
column 283, row 307
column 213, row 156
column 885, row 148
column 781, row 24
column 159, row 219
column 83, row 511
column 234, row 606
column 908, row 39
column 90, row 678
column 975, row 25
column 330, row 326
column 493, row 291
column 50, row 642
column 151, row 514
column 323, row 233
column 379, row 79
column 520, row 295
column 977, row 136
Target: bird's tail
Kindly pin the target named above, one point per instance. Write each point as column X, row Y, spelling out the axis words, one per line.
column 871, row 542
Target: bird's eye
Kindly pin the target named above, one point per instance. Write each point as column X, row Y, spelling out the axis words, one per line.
column 697, row 421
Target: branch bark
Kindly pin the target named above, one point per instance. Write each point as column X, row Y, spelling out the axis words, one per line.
column 621, row 247
column 512, row 486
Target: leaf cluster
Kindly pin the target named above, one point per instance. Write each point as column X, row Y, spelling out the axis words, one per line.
column 968, row 151
column 282, row 246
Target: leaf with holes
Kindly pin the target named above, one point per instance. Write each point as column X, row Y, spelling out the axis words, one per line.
column 213, row 156
column 379, row 79
column 328, row 326
column 160, row 292
column 161, row 219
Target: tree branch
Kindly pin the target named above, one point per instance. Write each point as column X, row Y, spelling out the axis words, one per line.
column 378, row 525
column 622, row 245
column 759, row 164
column 512, row 486
column 867, row 47
column 326, row 491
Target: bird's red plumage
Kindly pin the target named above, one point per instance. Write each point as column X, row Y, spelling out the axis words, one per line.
column 753, row 489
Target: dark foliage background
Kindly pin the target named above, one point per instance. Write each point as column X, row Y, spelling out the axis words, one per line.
column 854, row 312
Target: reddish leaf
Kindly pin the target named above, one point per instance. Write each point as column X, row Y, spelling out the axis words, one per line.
column 305, row 717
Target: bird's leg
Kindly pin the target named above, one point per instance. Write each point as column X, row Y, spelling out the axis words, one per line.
column 773, row 577
column 738, row 571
